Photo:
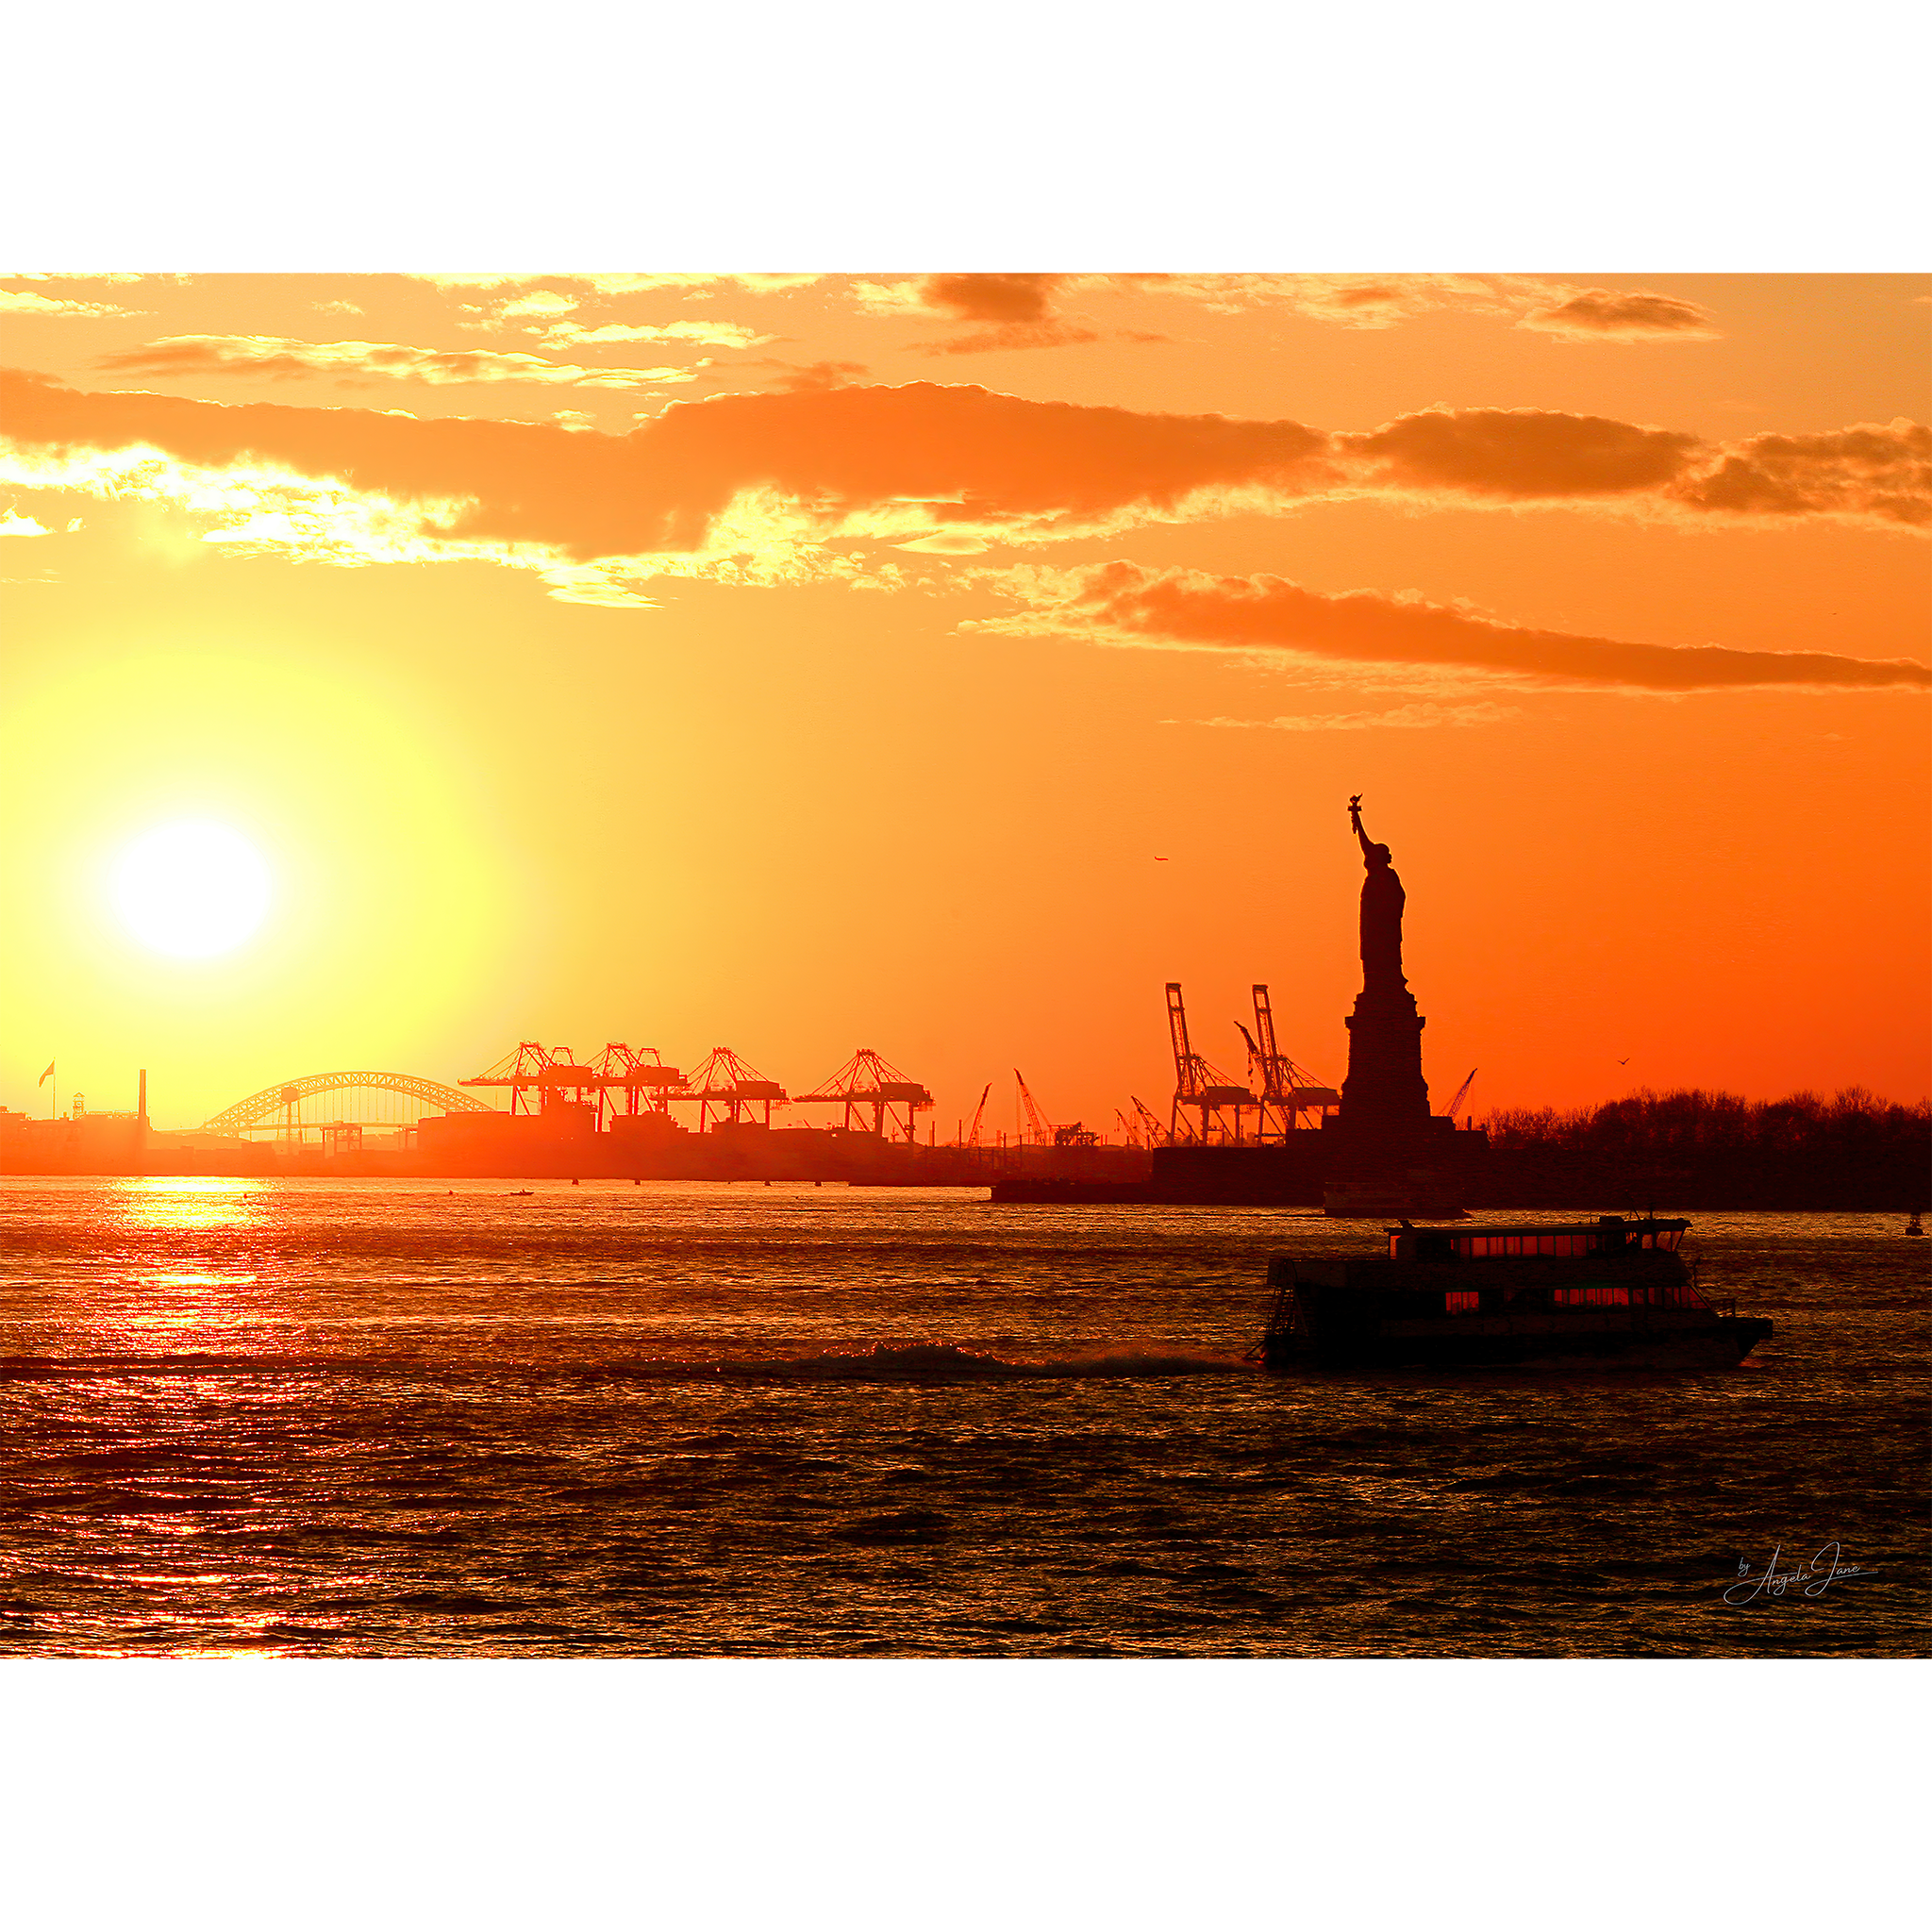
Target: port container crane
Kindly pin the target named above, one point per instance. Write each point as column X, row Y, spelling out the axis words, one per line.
column 1200, row 1084
column 639, row 1077
column 551, row 1073
column 868, row 1080
column 1287, row 1090
column 726, row 1090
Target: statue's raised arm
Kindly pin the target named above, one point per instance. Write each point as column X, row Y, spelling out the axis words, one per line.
column 1354, row 819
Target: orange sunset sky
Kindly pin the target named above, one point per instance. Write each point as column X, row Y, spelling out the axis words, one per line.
column 941, row 663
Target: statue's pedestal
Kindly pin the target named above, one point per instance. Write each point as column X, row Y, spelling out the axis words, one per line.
column 1385, row 1094
column 1390, row 1156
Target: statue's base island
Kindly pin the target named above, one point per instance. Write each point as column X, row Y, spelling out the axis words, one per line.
column 1382, row 1154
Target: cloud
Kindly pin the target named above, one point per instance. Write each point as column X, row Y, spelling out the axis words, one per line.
column 803, row 375
column 459, row 279
column 537, row 302
column 949, row 468
column 721, row 335
column 26, row 302
column 879, row 462
column 958, row 297
column 1520, row 454
column 1356, row 301
column 1377, row 302
column 1402, row 718
column 1635, row 316
column 1532, row 302
column 1872, row 472
column 1347, row 301
column 1018, row 306
column 1125, row 603
column 542, row 310
column 1012, row 335
column 991, row 297
column 602, row 282
column 1871, row 469
column 1351, row 301
column 1022, row 307
column 283, row 360
column 746, row 487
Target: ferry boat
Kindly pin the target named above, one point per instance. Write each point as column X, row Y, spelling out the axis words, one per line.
column 1610, row 1291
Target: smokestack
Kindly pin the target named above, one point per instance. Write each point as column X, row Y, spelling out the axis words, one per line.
column 141, row 1109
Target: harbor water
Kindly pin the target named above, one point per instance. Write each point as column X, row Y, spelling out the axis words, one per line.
column 384, row 1417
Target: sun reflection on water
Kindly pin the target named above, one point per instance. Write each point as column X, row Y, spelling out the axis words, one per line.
column 191, row 1204
column 175, row 1263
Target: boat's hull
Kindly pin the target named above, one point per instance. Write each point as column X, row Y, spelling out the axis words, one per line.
column 1722, row 1341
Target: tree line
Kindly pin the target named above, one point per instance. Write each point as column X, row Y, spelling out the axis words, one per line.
column 1852, row 1150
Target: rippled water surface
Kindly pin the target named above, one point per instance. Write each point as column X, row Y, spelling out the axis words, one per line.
column 377, row 1418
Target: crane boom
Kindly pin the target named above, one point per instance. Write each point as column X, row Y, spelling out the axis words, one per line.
column 1152, row 1131
column 1462, row 1094
column 972, row 1138
column 1039, row 1128
column 1178, row 1032
column 1264, row 1024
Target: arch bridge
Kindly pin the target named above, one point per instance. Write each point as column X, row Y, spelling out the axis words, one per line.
column 389, row 1095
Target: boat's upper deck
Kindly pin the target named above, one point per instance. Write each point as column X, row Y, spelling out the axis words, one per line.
column 1611, row 1234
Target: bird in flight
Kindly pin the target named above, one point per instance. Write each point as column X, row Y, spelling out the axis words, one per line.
column 1159, row 860
column 1624, row 1061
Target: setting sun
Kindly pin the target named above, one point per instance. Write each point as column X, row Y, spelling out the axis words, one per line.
column 193, row 889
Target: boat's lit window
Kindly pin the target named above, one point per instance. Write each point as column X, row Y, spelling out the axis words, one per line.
column 1599, row 1296
column 1471, row 1246
column 1461, row 1301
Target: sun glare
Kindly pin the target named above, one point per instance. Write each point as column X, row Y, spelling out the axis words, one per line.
column 193, row 889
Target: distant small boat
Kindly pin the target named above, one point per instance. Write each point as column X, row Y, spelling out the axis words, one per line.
column 518, row 1195
column 1915, row 1225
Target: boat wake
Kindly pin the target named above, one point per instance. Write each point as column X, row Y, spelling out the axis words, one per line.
column 937, row 1361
